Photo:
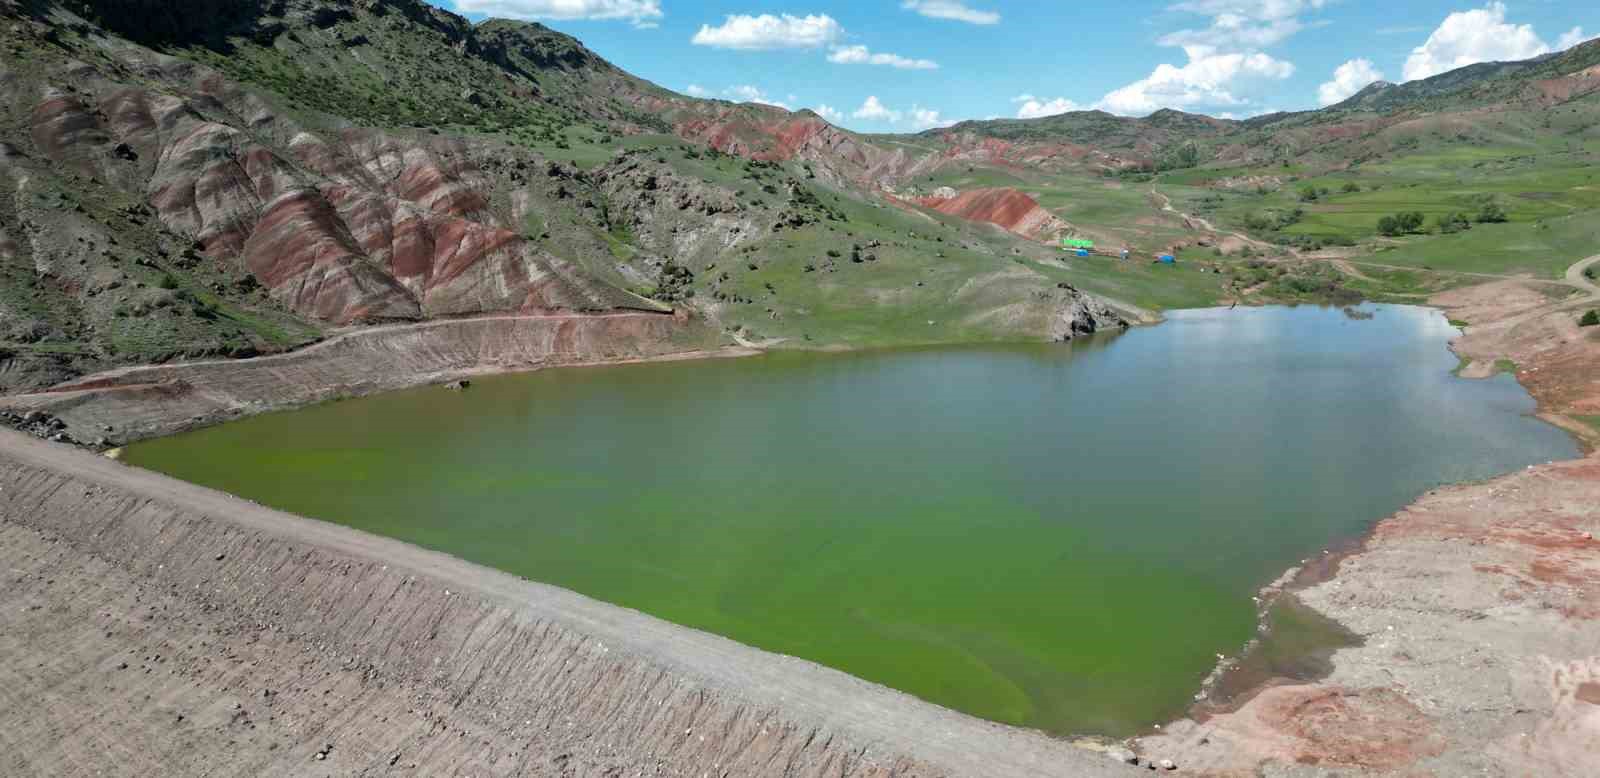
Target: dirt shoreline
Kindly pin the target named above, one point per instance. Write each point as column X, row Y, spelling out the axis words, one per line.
column 135, row 403
column 1477, row 606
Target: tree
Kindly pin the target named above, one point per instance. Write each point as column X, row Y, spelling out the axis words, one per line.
column 1401, row 224
column 1308, row 194
column 1491, row 213
column 1453, row 222
column 1351, row 187
column 1183, row 157
column 1590, row 319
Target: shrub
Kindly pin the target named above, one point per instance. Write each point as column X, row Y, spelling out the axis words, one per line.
column 1491, row 213
column 1590, row 319
column 1401, row 224
column 1308, row 194
column 1351, row 187
column 168, row 281
column 1450, row 223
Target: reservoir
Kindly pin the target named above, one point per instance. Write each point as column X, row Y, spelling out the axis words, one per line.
column 1053, row 536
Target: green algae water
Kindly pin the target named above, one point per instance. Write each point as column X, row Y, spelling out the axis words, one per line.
column 1053, row 536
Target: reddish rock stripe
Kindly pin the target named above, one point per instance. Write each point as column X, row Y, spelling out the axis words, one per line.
column 1008, row 208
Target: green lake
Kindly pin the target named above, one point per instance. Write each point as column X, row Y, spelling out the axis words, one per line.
column 1056, row 536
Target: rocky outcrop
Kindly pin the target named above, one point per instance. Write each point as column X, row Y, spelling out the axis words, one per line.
column 1080, row 314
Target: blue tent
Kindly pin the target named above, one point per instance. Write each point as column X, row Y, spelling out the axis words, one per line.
column 1083, row 252
column 1167, row 259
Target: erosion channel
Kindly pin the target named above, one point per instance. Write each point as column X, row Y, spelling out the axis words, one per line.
column 1060, row 537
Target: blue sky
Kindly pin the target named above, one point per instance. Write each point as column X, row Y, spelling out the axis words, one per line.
column 905, row 65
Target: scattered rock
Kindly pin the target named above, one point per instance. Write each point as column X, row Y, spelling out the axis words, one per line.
column 456, row 386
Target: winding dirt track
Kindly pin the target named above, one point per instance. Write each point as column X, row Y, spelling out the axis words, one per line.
column 150, row 626
column 1576, row 277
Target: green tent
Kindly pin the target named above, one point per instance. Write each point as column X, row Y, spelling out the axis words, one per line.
column 1076, row 243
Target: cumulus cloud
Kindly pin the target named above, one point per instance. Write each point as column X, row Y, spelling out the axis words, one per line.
column 1030, row 107
column 1226, row 58
column 749, row 94
column 828, row 112
column 1469, row 37
column 640, row 12
column 951, row 9
column 861, row 55
column 1243, row 24
column 767, row 32
column 695, row 90
column 916, row 118
column 873, row 110
column 1348, row 79
column 1572, row 38
column 926, row 118
column 1208, row 79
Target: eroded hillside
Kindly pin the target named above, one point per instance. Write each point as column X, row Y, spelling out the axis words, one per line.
column 245, row 177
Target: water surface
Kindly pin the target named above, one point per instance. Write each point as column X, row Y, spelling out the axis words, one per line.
column 1053, row 536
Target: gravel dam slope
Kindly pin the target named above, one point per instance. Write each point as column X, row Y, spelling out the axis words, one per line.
column 149, row 626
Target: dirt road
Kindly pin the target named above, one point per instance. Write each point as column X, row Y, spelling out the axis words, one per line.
column 149, row 626
column 1576, row 277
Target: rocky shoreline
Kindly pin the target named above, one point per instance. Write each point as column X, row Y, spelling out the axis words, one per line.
column 1478, row 646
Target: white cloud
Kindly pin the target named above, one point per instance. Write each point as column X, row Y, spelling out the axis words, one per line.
column 873, row 110
column 917, row 118
column 951, row 9
column 926, row 118
column 1243, row 24
column 1030, row 107
column 766, row 32
column 1348, row 79
column 695, row 90
column 1208, row 79
column 1572, row 38
column 1469, row 37
column 1231, row 31
column 828, row 112
column 640, row 12
column 746, row 93
column 1226, row 58
column 860, row 55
